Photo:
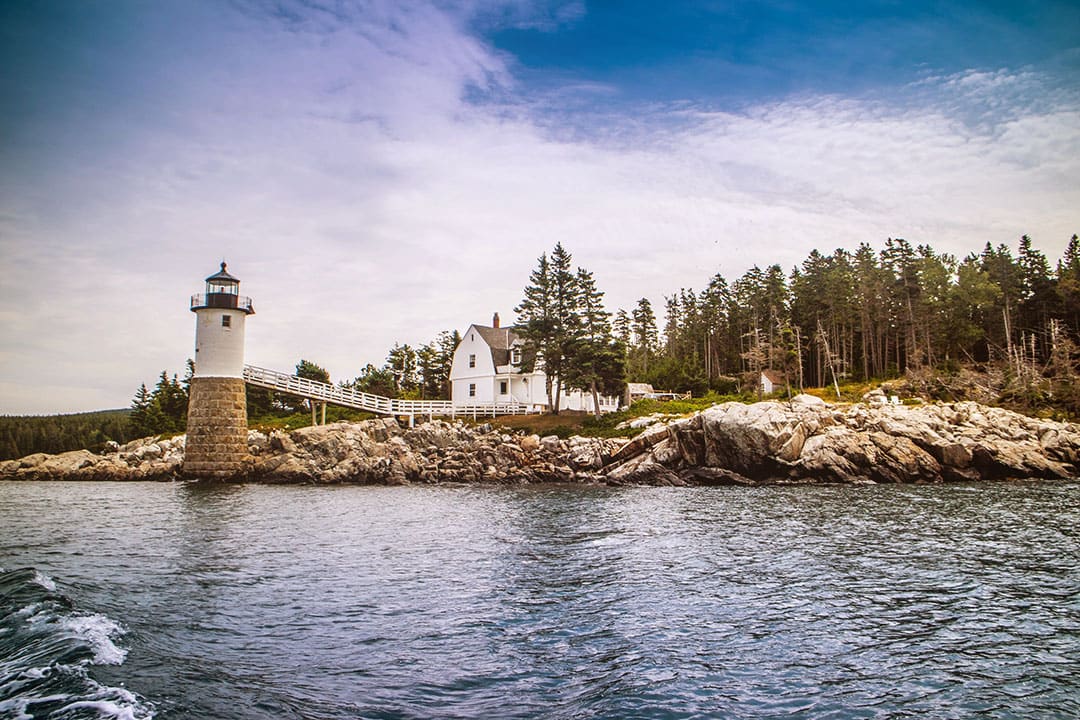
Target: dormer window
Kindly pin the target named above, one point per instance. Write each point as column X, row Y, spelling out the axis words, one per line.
column 515, row 356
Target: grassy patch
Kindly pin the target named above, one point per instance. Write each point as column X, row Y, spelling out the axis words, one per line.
column 334, row 414
column 568, row 423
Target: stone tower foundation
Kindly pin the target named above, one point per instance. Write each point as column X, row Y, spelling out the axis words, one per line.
column 217, row 430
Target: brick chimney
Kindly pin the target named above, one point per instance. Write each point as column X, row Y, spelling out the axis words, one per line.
column 495, row 321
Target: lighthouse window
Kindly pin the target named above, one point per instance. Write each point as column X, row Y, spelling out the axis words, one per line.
column 226, row 321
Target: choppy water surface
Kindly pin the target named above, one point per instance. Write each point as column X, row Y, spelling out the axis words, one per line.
column 180, row 601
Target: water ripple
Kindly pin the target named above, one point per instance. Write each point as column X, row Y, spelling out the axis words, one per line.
column 574, row 602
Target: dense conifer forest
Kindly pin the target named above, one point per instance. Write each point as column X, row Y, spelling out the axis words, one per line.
column 25, row 435
column 903, row 311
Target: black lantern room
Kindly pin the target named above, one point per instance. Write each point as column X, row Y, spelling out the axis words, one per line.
column 222, row 291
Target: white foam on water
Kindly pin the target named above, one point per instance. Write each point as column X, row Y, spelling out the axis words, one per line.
column 15, row 709
column 48, row 625
column 128, row 709
column 44, row 581
column 113, row 702
column 98, row 631
column 109, row 702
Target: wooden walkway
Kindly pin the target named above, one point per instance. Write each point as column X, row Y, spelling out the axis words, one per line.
column 334, row 395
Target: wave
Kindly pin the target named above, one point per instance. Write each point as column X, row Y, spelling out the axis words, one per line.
column 46, row 649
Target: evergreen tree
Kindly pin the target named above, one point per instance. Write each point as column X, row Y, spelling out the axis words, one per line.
column 1068, row 279
column 536, row 319
column 375, row 381
column 973, row 297
column 1001, row 268
column 138, row 420
column 549, row 320
column 402, row 363
column 1039, row 298
column 309, row 371
column 646, row 338
column 169, row 405
column 900, row 257
column 621, row 328
column 312, row 371
column 593, row 362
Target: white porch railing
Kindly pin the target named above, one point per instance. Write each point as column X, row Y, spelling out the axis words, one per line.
column 346, row 397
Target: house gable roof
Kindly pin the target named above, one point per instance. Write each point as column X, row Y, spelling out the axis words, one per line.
column 500, row 340
column 776, row 378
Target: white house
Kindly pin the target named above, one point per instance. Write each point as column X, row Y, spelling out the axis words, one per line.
column 487, row 370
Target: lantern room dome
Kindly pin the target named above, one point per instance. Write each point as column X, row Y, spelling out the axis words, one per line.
column 222, row 276
column 222, row 291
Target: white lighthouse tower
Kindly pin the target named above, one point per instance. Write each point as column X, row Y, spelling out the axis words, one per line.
column 217, row 406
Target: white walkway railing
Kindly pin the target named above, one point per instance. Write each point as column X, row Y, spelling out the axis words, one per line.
column 335, row 395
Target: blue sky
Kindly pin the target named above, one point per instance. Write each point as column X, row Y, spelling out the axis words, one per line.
column 379, row 171
column 737, row 52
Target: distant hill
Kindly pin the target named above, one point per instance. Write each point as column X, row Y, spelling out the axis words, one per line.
column 22, row 435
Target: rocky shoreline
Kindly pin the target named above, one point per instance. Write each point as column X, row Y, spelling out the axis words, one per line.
column 805, row 441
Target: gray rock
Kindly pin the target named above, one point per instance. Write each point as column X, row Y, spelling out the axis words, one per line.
column 551, row 443
column 802, row 441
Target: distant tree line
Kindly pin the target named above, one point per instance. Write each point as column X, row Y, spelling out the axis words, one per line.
column 866, row 315
column 26, row 435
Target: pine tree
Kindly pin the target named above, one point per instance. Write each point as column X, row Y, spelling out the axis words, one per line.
column 643, row 325
column 593, row 361
column 1039, row 297
column 621, row 328
column 402, row 363
column 549, row 320
column 535, row 319
column 138, row 419
column 1068, row 278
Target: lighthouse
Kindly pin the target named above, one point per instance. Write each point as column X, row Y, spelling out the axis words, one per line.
column 217, row 405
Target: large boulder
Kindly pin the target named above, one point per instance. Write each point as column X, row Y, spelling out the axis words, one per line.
column 807, row 440
column 758, row 441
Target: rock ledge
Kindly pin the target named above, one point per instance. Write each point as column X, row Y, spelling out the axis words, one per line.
column 801, row 442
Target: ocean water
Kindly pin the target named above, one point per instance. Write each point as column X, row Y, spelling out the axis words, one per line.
column 247, row 601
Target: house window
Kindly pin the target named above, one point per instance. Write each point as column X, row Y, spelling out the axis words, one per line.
column 502, row 387
column 472, row 389
column 472, row 361
column 515, row 356
column 226, row 321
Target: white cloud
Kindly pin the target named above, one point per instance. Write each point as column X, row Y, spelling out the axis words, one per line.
column 334, row 161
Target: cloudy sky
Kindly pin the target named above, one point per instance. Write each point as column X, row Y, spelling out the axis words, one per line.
column 376, row 171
